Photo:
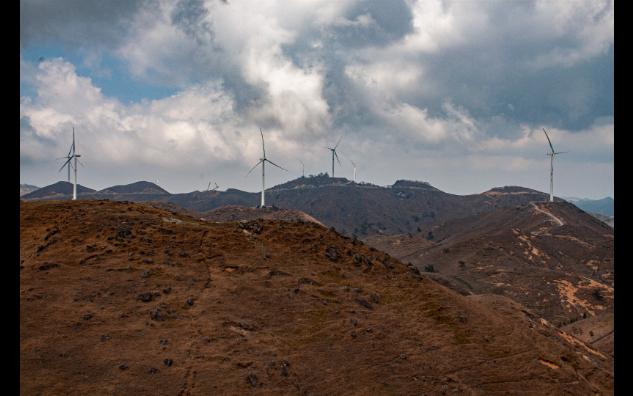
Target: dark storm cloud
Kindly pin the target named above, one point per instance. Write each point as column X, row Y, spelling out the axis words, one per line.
column 495, row 82
column 76, row 22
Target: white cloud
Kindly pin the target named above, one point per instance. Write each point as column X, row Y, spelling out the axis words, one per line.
column 251, row 63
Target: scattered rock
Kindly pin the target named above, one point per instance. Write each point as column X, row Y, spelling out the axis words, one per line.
column 167, row 290
column 145, row 274
column 153, row 370
column 105, row 338
column 277, row 273
column 155, row 314
column 146, row 297
column 308, row 281
column 190, row 301
column 123, row 366
column 252, row 380
column 364, row 303
column 375, row 298
column 46, row 266
column 244, row 365
column 148, row 261
column 253, row 226
column 332, row 253
column 163, row 341
column 284, row 368
column 123, row 232
column 168, row 362
column 354, row 322
column 87, row 316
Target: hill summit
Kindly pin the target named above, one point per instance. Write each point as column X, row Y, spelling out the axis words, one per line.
column 59, row 190
column 140, row 187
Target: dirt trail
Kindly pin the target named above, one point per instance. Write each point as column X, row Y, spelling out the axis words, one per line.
column 551, row 216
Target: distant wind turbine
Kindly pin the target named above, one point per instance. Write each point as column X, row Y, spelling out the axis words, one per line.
column 214, row 188
column 551, row 154
column 263, row 161
column 303, row 169
column 354, row 165
column 72, row 155
column 333, row 150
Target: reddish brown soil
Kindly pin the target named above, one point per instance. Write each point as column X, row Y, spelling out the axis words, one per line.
column 274, row 308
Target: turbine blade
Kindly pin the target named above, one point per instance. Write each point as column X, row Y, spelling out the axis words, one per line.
column 67, row 162
column 561, row 152
column 272, row 163
column 337, row 160
column 549, row 141
column 339, row 141
column 263, row 147
column 254, row 166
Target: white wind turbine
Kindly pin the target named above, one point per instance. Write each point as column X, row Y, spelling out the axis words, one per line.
column 354, row 165
column 72, row 155
column 263, row 161
column 303, row 169
column 214, row 188
column 551, row 154
column 333, row 150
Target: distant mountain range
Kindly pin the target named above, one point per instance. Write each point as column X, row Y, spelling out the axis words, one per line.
column 602, row 206
column 27, row 188
column 352, row 208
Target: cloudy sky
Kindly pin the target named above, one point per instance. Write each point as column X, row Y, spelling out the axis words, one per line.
column 455, row 93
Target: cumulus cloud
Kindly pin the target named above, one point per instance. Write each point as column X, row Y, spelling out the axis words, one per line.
column 473, row 82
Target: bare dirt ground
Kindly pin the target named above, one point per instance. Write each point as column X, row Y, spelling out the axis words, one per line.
column 121, row 298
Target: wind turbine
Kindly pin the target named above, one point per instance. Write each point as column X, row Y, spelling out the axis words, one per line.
column 551, row 154
column 214, row 188
column 263, row 161
column 303, row 169
column 333, row 150
column 354, row 165
column 67, row 163
column 72, row 155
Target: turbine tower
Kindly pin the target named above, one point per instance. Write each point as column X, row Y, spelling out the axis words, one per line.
column 303, row 169
column 551, row 154
column 354, row 165
column 72, row 155
column 333, row 150
column 263, row 161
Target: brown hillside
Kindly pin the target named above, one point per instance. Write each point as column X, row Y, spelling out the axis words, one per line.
column 120, row 298
column 553, row 258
